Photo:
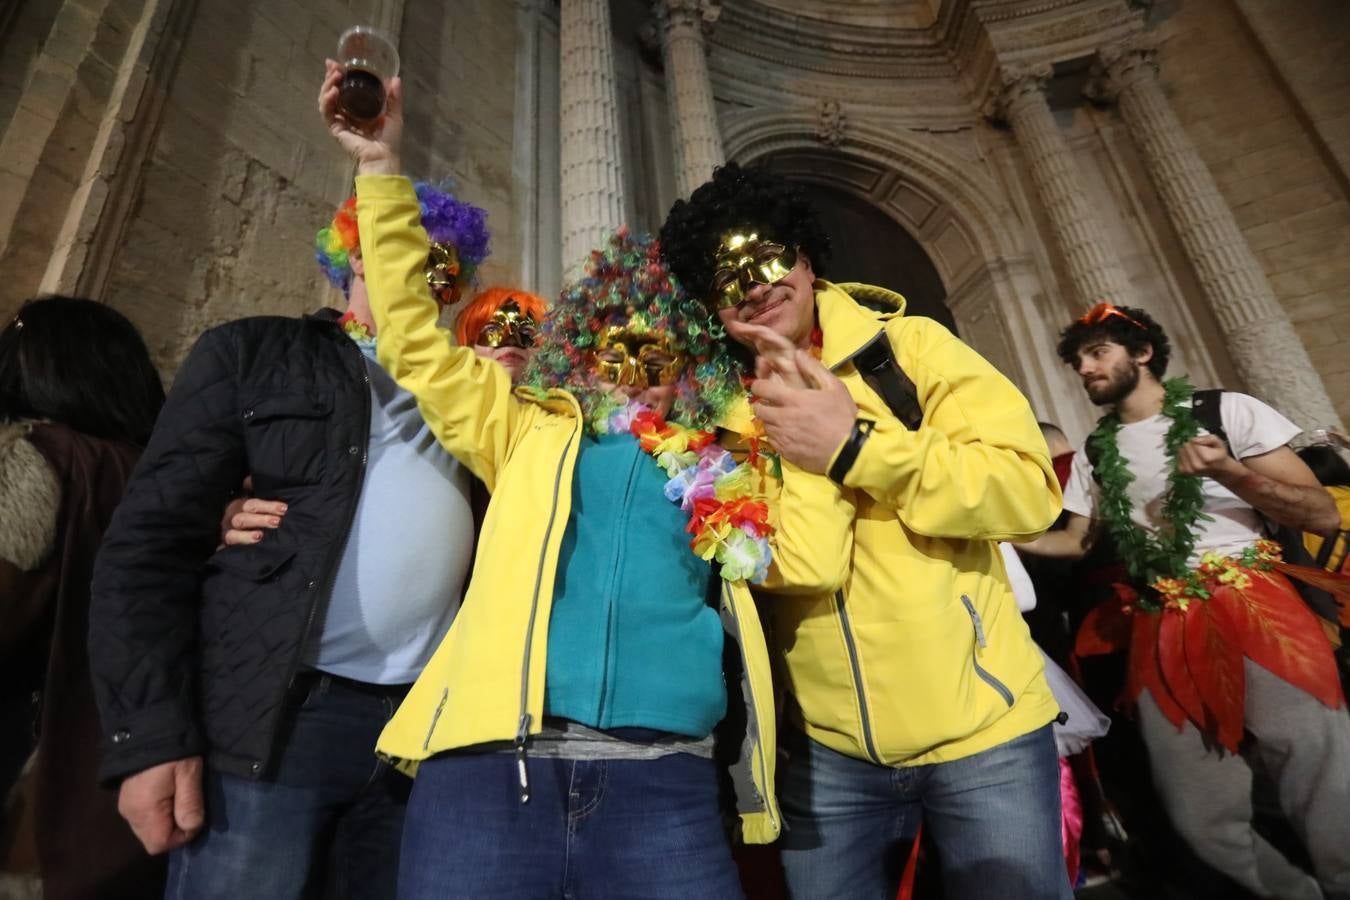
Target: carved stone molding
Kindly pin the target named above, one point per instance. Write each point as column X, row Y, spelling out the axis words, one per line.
column 831, row 122
column 701, row 14
column 1017, row 84
column 1119, row 65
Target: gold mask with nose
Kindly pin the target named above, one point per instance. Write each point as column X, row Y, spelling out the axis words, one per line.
column 508, row 327
column 745, row 260
column 625, row 356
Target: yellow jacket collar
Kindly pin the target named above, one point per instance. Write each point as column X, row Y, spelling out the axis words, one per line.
column 846, row 325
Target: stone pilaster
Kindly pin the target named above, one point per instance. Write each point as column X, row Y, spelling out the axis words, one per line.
column 693, row 113
column 1094, row 268
column 1261, row 340
column 592, row 167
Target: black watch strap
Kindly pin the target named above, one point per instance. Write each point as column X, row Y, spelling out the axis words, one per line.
column 848, row 454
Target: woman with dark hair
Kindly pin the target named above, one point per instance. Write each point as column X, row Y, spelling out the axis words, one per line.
column 78, row 398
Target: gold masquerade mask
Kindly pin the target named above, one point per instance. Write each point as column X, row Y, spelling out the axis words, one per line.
column 745, row 260
column 442, row 271
column 644, row 359
column 508, row 327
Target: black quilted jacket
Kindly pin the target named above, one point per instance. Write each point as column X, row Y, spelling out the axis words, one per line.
column 192, row 649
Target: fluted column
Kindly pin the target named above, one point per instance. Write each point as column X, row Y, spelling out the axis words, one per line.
column 592, row 167
column 1094, row 268
column 1261, row 340
column 693, row 114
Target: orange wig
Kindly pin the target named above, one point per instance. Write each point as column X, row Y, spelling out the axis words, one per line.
column 486, row 303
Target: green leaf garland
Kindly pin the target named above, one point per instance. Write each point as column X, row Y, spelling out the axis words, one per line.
column 1149, row 557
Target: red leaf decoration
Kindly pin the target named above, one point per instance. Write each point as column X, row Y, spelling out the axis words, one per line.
column 1176, row 678
column 1105, row 630
column 1332, row 582
column 1143, row 670
column 1213, row 649
column 1279, row 633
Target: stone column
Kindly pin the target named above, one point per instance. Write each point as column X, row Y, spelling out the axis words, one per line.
column 592, row 170
column 1261, row 340
column 693, row 114
column 1094, row 268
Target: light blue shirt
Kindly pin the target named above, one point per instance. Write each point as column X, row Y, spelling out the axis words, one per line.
column 401, row 575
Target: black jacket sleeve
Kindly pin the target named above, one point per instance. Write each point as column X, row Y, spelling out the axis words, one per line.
column 147, row 579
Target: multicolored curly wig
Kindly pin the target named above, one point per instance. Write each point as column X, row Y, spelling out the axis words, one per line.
column 446, row 219
column 485, row 304
column 627, row 282
column 739, row 199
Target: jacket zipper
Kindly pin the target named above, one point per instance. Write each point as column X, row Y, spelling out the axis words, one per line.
column 981, row 643
column 523, row 726
column 334, row 556
column 750, row 688
column 870, row 746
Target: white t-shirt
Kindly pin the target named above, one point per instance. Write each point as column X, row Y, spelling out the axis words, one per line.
column 1253, row 428
column 1024, row 590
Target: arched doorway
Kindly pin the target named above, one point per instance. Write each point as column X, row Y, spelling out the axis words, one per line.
column 869, row 246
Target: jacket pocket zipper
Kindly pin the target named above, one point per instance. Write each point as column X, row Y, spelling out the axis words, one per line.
column 981, row 643
column 852, row 648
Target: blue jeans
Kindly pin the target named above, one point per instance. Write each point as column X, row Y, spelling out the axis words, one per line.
column 597, row 828
column 327, row 823
column 994, row 818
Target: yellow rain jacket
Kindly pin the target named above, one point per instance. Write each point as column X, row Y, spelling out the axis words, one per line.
column 486, row 680
column 921, row 656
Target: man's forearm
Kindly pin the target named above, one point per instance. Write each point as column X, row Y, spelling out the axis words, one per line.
column 1304, row 507
column 1062, row 544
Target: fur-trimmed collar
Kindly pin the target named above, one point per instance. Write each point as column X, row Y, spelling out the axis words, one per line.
column 30, row 499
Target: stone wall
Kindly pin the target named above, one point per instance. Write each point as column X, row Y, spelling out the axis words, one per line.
column 213, row 171
column 165, row 156
column 1269, row 152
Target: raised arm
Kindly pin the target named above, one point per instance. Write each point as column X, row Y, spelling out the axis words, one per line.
column 466, row 400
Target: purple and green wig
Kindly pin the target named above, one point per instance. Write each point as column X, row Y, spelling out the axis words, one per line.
column 446, row 219
column 628, row 283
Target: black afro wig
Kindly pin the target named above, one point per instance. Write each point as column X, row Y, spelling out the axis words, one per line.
column 739, row 199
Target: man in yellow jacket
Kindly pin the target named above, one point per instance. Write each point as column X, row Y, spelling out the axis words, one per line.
column 914, row 691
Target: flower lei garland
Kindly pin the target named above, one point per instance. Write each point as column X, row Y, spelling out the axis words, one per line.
column 1162, row 558
column 727, row 522
column 357, row 331
column 1214, row 572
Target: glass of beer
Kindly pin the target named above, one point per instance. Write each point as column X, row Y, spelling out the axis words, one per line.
column 368, row 60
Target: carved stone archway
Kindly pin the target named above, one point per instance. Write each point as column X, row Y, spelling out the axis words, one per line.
column 993, row 290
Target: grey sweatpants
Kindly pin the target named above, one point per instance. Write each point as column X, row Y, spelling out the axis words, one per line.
column 1208, row 792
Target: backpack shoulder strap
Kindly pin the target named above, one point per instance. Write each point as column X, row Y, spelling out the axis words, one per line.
column 1208, row 409
column 881, row 371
